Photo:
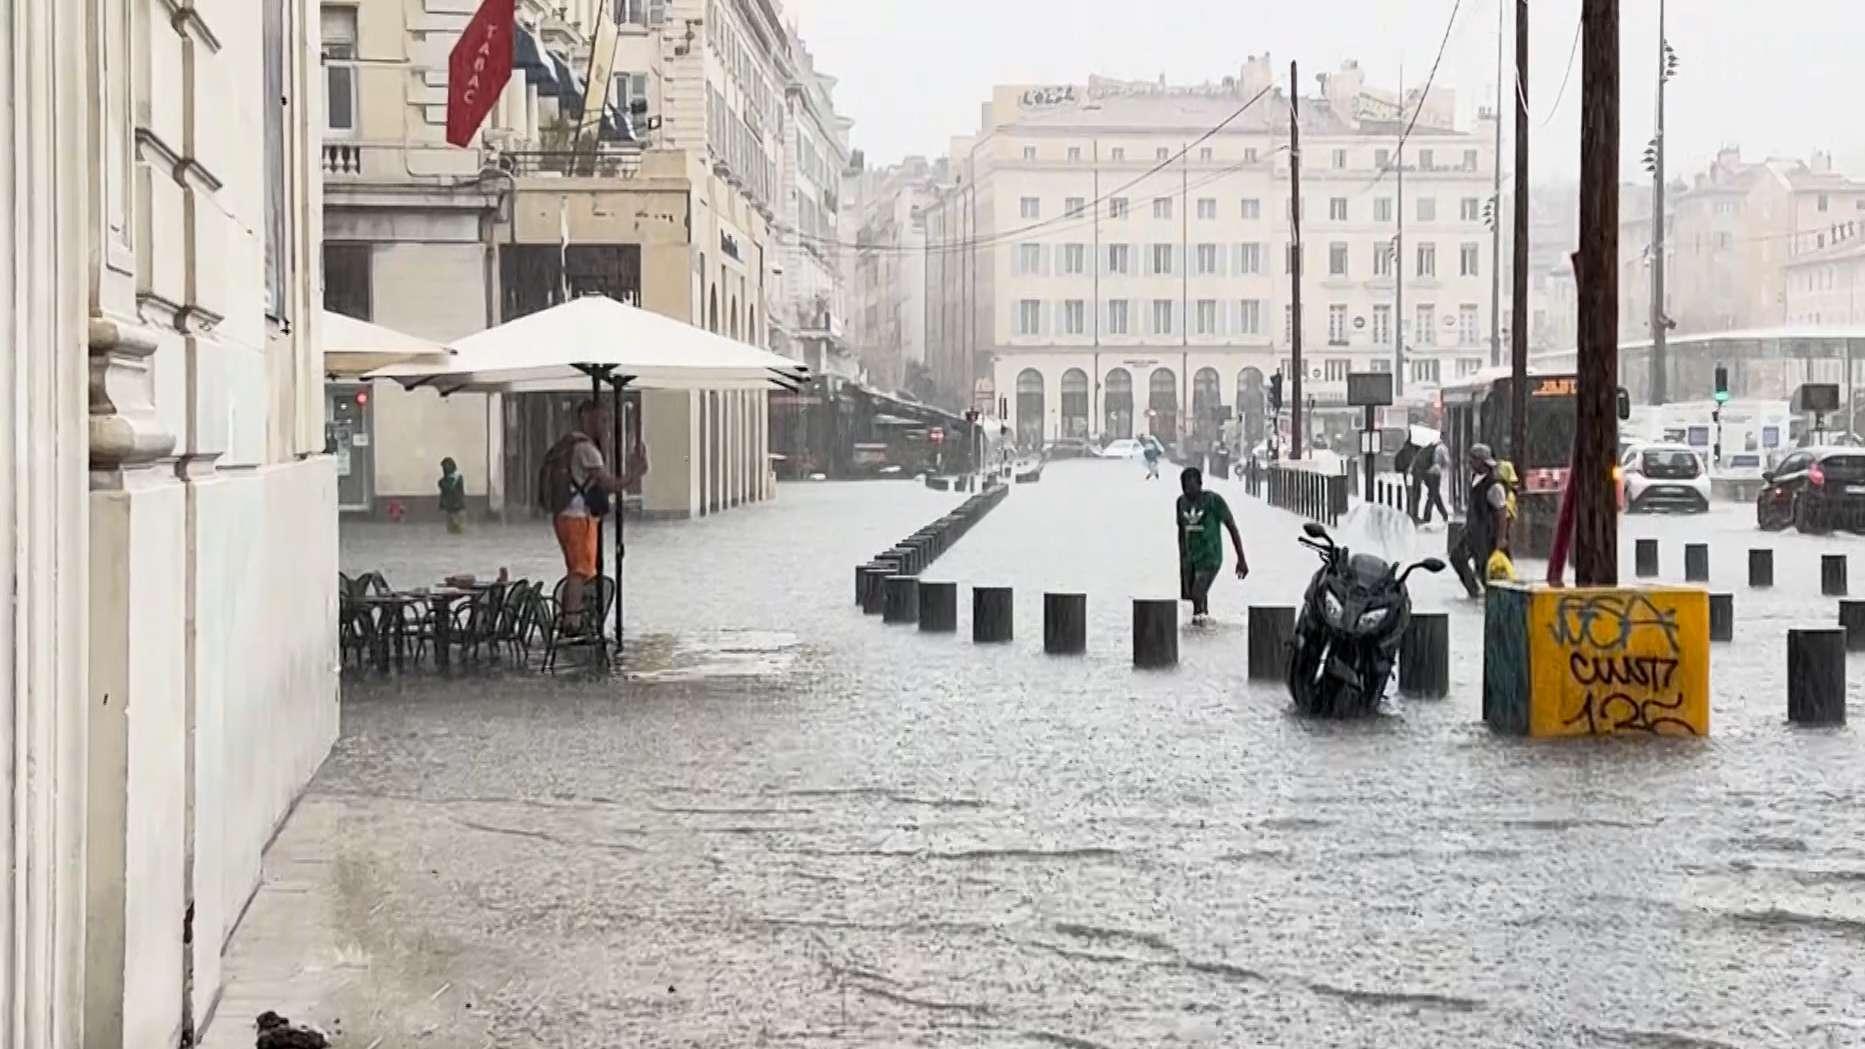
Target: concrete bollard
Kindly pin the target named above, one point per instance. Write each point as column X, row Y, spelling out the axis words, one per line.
column 1760, row 568
column 874, row 597
column 938, row 607
column 861, row 583
column 1833, row 575
column 1852, row 620
column 1816, row 676
column 1645, row 558
column 1155, row 633
column 1425, row 656
column 990, row 614
column 1065, row 624
column 902, row 601
column 1271, row 629
column 1696, row 563
column 1722, row 617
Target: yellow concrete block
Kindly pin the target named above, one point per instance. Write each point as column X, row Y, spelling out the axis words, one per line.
column 1596, row 661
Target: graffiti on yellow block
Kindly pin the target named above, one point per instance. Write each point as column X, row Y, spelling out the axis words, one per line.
column 1611, row 661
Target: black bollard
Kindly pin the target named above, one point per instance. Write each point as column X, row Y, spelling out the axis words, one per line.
column 1833, row 575
column 1425, row 656
column 938, row 607
column 990, row 614
column 1271, row 628
column 1722, row 617
column 1816, row 676
column 861, row 583
column 1852, row 619
column 1645, row 558
column 1760, row 568
column 1155, row 633
column 1065, row 624
column 874, row 594
column 1696, row 562
column 902, row 602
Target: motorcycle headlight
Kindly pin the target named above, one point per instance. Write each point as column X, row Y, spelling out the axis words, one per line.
column 1332, row 608
column 1369, row 620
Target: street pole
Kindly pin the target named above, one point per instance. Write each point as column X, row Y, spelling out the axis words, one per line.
column 1596, row 526
column 1495, row 205
column 1518, row 334
column 1398, row 264
column 1660, row 364
column 1099, row 422
column 1295, row 268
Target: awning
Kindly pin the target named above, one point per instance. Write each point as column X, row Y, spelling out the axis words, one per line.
column 529, row 55
column 353, row 347
column 569, row 84
column 895, row 420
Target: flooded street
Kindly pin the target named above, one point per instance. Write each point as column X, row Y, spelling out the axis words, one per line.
column 791, row 825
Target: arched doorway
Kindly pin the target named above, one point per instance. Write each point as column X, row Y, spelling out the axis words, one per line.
column 1252, row 405
column 1029, row 408
column 1162, row 405
column 1207, row 405
column 1075, row 403
column 1117, row 405
column 712, row 313
column 734, row 317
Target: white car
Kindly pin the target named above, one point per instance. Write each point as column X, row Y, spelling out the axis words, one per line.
column 1664, row 477
column 1125, row 448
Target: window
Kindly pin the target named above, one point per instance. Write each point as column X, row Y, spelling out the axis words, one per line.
column 1206, row 317
column 1162, row 260
column 1825, row 201
column 1382, row 259
column 1207, row 153
column 1029, row 259
column 1382, row 364
column 1120, row 259
column 1427, row 160
column 1250, row 317
column 1162, row 316
column 1427, row 333
column 1117, row 207
column 1029, row 317
column 1162, row 207
column 1207, row 207
column 1425, row 370
column 1074, row 152
column 1337, row 209
column 1162, row 153
column 1029, row 152
column 1337, row 326
column 1207, row 260
column 1334, row 369
column 1340, row 159
column 275, row 64
column 1469, row 366
column 1467, row 333
column 1074, row 259
column 1470, row 209
column 1337, row 259
column 643, row 12
column 1291, row 258
column 339, row 34
column 1252, row 208
column 1118, row 153
column 1117, row 321
column 1030, row 208
column 1074, row 317
column 1427, row 260
column 1249, row 155
column 1382, row 209
column 1427, row 209
column 1467, row 257
column 1382, row 157
column 1382, row 325
column 1469, row 160
column 1074, row 205
column 1249, row 258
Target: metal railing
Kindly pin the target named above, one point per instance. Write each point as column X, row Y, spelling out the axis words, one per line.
column 1313, row 494
column 603, row 163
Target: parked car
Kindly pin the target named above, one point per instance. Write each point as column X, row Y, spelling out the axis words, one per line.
column 1125, row 448
column 1657, row 477
column 1815, row 490
column 1068, row 448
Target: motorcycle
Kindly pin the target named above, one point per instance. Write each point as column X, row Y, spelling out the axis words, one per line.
column 1351, row 621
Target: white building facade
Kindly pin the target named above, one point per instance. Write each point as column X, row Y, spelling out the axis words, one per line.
column 888, row 282
column 811, row 322
column 1122, row 251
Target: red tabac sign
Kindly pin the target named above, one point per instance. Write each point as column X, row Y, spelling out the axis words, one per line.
column 478, row 68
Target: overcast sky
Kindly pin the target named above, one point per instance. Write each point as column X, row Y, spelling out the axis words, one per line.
column 913, row 72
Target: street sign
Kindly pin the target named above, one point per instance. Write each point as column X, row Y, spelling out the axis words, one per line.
column 1369, row 389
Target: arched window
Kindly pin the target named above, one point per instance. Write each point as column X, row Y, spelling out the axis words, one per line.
column 1252, row 405
column 1117, row 405
column 1075, row 403
column 1029, row 408
column 1207, row 404
column 1162, row 405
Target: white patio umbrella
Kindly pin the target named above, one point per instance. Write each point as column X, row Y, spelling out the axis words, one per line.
column 596, row 340
column 355, row 347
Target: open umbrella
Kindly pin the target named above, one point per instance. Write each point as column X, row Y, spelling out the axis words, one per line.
column 354, row 347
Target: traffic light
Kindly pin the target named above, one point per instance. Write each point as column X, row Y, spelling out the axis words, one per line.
column 1722, row 385
column 1275, row 392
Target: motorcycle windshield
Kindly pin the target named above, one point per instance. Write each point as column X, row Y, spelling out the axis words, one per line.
column 1369, row 573
column 1380, row 530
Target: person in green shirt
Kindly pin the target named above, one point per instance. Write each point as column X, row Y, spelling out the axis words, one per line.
column 453, row 495
column 1197, row 516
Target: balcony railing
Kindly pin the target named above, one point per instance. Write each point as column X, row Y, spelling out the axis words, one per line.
column 343, row 158
column 604, row 163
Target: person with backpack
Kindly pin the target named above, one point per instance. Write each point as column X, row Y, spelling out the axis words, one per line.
column 576, row 488
column 453, row 496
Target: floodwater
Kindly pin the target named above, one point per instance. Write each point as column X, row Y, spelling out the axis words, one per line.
column 788, row 824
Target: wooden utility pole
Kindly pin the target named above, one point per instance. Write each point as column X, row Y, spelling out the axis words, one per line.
column 1295, row 268
column 1518, row 323
column 1596, row 524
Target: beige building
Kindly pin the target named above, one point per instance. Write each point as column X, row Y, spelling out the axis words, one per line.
column 890, row 263
column 1173, row 291
column 172, row 516
column 669, row 206
column 811, row 322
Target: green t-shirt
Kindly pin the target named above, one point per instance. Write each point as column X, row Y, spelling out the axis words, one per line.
column 1201, row 525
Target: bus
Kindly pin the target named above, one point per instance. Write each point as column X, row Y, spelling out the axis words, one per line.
column 1478, row 410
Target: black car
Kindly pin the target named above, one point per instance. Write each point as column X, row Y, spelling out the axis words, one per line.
column 1815, row 490
column 1068, row 448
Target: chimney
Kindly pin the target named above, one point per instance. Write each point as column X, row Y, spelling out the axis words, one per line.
column 1258, row 74
column 1822, row 162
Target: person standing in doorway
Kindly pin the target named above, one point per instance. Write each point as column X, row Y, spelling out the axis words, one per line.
column 577, row 489
column 453, row 496
column 1197, row 516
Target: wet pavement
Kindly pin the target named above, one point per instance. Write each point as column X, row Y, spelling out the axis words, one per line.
column 788, row 824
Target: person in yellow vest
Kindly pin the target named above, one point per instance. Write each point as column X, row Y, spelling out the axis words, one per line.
column 1500, row 565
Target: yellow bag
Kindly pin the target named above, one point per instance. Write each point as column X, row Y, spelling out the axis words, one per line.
column 1500, row 567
